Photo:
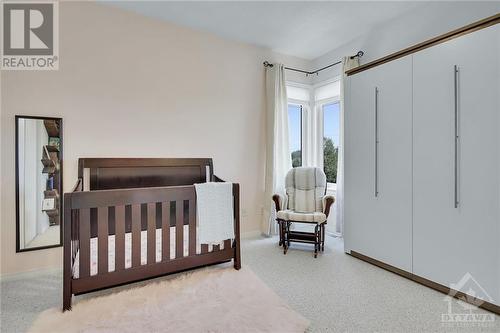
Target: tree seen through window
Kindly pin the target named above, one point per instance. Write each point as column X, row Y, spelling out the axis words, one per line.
column 331, row 139
column 295, row 133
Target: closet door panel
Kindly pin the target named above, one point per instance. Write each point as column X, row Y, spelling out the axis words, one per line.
column 359, row 156
column 479, row 167
column 449, row 241
column 433, row 160
column 379, row 223
column 394, row 199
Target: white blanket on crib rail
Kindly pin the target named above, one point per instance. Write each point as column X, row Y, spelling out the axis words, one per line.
column 214, row 209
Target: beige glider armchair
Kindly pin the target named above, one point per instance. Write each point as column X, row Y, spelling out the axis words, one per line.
column 305, row 202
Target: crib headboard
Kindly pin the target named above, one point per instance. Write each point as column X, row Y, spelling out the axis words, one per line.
column 115, row 173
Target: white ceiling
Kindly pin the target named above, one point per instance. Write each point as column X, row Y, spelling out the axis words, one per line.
column 305, row 29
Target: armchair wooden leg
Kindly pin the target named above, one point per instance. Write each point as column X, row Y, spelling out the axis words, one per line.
column 323, row 237
column 316, row 240
column 286, row 242
column 320, row 237
column 288, row 226
column 280, row 230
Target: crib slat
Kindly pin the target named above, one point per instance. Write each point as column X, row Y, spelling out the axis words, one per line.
column 151, row 233
column 165, row 229
column 136, row 235
column 179, row 231
column 84, row 269
column 216, row 248
column 102, row 240
column 192, row 227
column 227, row 244
column 75, row 228
column 119, row 238
column 204, row 248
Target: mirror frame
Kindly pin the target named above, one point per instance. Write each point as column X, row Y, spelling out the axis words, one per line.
column 61, row 199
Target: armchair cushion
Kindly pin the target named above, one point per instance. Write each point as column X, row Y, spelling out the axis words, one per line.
column 305, row 188
column 290, row 215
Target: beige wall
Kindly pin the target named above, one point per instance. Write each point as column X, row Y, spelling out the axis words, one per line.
column 131, row 86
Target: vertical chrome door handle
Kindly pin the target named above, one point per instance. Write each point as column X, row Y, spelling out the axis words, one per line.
column 456, row 138
column 376, row 141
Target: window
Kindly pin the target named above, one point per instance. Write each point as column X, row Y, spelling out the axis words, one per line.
column 295, row 133
column 298, row 100
column 314, row 133
column 331, row 139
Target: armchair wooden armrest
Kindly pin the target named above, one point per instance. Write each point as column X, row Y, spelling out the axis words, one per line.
column 277, row 202
column 328, row 201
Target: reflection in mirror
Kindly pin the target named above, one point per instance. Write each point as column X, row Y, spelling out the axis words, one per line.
column 38, row 182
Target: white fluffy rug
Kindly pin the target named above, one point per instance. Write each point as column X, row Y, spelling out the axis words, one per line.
column 208, row 300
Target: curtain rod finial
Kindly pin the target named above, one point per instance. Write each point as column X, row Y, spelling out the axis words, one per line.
column 357, row 55
column 267, row 64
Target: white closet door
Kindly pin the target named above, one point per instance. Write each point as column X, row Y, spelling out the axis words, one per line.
column 359, row 157
column 449, row 241
column 378, row 176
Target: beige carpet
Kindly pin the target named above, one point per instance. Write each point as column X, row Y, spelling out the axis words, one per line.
column 208, row 300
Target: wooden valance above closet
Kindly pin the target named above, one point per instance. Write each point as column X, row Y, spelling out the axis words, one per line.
column 484, row 23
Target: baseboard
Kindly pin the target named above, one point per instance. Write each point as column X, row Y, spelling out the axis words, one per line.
column 30, row 273
column 251, row 234
column 431, row 284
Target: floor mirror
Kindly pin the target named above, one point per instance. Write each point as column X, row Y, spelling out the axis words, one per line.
column 39, row 175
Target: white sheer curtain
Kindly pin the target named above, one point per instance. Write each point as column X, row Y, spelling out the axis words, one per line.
column 347, row 63
column 278, row 159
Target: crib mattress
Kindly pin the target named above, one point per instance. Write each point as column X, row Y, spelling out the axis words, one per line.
column 144, row 250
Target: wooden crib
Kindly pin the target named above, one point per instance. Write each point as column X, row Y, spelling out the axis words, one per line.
column 128, row 220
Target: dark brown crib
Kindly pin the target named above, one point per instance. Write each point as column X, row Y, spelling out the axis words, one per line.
column 147, row 208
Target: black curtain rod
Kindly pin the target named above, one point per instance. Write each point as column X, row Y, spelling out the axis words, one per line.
column 357, row 55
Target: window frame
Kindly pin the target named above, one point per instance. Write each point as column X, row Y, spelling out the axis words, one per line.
column 305, row 109
column 302, row 106
column 312, row 120
column 320, row 104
